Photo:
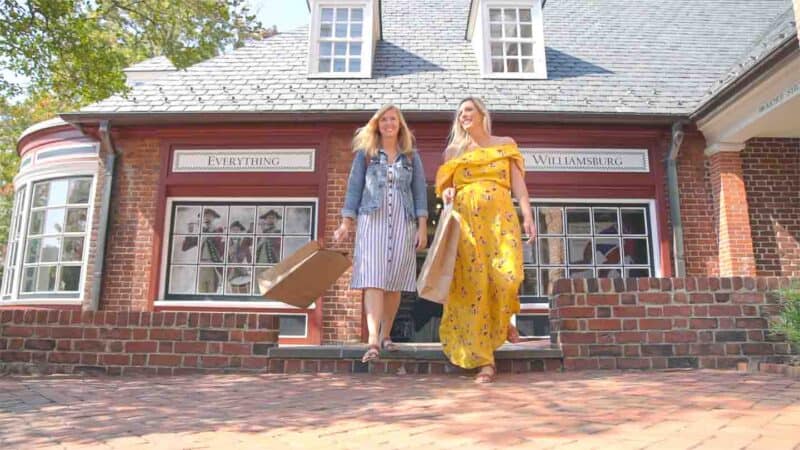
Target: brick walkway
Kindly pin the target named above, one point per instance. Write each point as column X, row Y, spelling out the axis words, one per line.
column 658, row 410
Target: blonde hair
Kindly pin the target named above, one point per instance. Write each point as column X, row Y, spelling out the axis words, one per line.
column 459, row 138
column 368, row 137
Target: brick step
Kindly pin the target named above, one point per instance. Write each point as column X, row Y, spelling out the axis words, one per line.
column 537, row 356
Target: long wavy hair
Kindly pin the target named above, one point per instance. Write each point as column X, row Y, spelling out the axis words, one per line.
column 368, row 137
column 460, row 139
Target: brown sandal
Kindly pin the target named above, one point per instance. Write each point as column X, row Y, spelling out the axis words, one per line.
column 484, row 377
column 373, row 353
column 388, row 345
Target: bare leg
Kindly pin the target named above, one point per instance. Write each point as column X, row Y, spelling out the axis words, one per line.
column 373, row 303
column 392, row 299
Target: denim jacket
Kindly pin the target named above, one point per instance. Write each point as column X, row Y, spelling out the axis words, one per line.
column 367, row 182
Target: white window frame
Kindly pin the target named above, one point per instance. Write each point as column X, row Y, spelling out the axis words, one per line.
column 76, row 169
column 15, row 236
column 654, row 233
column 368, row 37
column 481, row 39
column 289, row 336
column 165, row 253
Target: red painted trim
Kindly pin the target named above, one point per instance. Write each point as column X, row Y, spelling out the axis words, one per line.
column 260, row 190
column 158, row 232
column 657, row 156
column 61, row 133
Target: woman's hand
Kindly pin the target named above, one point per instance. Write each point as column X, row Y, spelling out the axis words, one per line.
column 422, row 235
column 448, row 195
column 343, row 231
column 528, row 227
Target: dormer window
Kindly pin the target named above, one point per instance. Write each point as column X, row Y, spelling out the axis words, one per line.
column 508, row 38
column 342, row 38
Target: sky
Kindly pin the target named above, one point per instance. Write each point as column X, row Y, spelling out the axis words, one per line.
column 285, row 14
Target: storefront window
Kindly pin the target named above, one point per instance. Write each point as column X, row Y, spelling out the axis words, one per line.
column 56, row 236
column 217, row 250
column 585, row 241
column 14, row 234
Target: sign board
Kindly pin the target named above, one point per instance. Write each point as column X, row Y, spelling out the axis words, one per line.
column 586, row 160
column 271, row 160
column 783, row 96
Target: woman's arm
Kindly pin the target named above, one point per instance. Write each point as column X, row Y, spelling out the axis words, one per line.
column 520, row 192
column 420, row 192
column 355, row 186
column 418, row 187
column 352, row 198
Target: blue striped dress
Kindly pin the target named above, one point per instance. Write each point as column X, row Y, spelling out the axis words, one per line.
column 384, row 255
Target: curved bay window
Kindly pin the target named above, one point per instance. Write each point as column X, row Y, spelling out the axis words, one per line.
column 47, row 239
column 218, row 249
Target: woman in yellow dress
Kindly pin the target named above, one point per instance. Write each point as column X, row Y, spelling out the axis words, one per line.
column 480, row 173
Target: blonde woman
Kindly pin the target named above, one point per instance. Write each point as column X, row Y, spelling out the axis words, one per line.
column 479, row 176
column 386, row 195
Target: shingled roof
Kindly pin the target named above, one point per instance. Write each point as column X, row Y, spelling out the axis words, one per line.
column 616, row 57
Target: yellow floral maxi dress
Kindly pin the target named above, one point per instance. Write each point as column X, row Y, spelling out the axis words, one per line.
column 488, row 269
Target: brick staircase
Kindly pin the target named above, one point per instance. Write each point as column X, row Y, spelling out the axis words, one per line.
column 534, row 356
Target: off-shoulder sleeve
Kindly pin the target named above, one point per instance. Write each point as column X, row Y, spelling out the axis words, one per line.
column 516, row 157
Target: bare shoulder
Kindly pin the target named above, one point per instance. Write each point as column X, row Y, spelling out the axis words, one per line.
column 503, row 140
column 449, row 153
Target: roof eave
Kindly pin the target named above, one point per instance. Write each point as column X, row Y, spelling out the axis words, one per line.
column 785, row 50
column 332, row 116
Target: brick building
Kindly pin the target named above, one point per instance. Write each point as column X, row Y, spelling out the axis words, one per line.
column 662, row 139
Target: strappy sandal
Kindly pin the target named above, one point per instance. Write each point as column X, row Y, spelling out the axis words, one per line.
column 512, row 335
column 388, row 345
column 486, row 378
column 373, row 353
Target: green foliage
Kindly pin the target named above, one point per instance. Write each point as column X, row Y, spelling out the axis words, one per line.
column 69, row 53
column 76, row 49
column 788, row 322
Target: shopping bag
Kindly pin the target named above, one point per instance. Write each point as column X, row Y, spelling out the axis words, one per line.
column 436, row 275
column 304, row 276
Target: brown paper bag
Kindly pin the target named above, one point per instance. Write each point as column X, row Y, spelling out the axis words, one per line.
column 437, row 272
column 304, row 276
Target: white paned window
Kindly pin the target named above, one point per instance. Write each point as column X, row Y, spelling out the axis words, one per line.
column 585, row 241
column 508, row 37
column 217, row 249
column 56, row 236
column 14, row 235
column 511, row 40
column 341, row 37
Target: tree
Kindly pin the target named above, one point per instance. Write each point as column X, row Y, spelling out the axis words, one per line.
column 76, row 49
column 72, row 52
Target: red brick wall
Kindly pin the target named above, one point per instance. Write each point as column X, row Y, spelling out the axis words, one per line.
column 772, row 179
column 118, row 343
column 697, row 207
column 341, row 314
column 659, row 323
column 131, row 226
column 96, row 206
column 732, row 214
column 128, row 264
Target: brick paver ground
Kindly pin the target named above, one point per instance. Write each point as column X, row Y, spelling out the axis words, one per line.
column 614, row 410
